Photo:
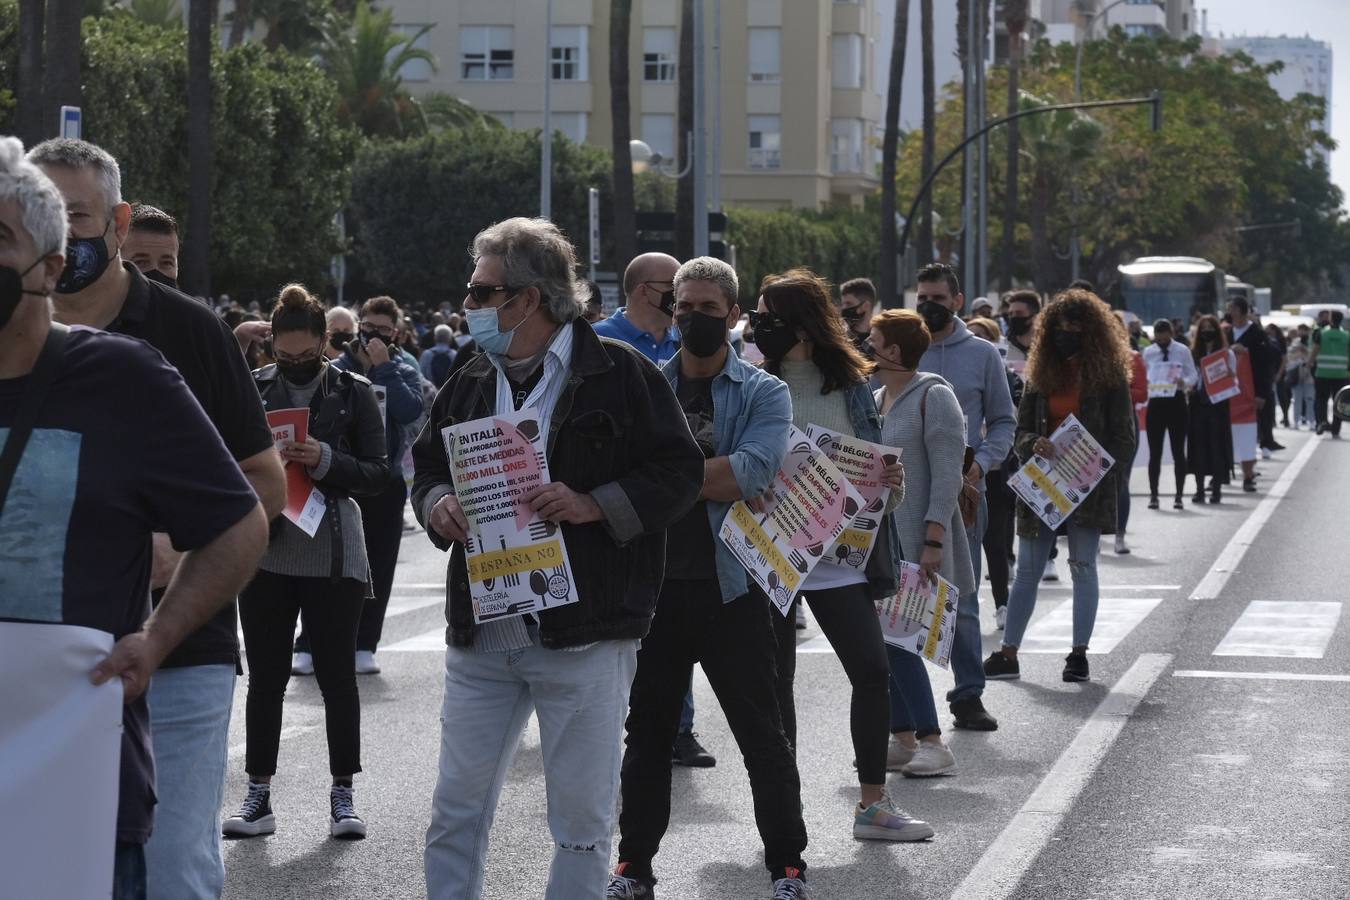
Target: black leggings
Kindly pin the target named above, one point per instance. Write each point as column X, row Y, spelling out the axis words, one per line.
column 330, row 609
column 998, row 537
column 849, row 620
column 1167, row 417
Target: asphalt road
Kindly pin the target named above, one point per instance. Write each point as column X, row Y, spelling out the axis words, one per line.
column 1176, row 773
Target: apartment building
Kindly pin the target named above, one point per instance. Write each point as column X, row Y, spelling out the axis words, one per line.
column 1307, row 68
column 1065, row 19
column 801, row 96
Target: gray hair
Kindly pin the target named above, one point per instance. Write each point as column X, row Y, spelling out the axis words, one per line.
column 707, row 268
column 444, row 334
column 41, row 206
column 535, row 253
column 338, row 312
column 77, row 154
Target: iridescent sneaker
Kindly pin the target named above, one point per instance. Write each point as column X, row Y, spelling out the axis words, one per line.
column 884, row 821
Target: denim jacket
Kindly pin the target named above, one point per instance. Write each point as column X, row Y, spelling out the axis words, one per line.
column 752, row 415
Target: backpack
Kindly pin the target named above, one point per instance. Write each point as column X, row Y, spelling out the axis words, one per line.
column 441, row 366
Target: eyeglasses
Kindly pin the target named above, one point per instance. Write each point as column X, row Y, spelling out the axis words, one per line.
column 370, row 331
column 296, row 360
column 768, row 318
column 659, row 283
column 482, row 293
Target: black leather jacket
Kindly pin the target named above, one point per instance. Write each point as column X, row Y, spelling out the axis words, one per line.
column 345, row 415
column 617, row 433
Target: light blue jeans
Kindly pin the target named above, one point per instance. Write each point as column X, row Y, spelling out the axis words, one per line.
column 967, row 647
column 912, row 706
column 581, row 699
column 1305, row 402
column 190, row 730
column 1032, row 555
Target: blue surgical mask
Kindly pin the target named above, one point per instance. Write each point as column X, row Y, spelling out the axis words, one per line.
column 485, row 330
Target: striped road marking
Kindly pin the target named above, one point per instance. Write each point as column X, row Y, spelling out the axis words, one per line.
column 1299, row 629
column 1116, row 618
column 1260, row 676
column 427, row 640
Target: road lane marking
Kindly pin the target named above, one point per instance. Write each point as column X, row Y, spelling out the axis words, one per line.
column 1012, row 853
column 400, row 605
column 1260, row 676
column 1289, row 628
column 427, row 640
column 1115, row 587
column 1212, row 585
column 421, row 586
column 1116, row 618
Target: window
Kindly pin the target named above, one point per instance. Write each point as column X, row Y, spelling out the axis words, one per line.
column 569, row 53
column 1142, row 30
column 658, row 54
column 765, row 44
column 847, row 63
column 572, row 124
column 846, row 148
column 765, row 137
column 418, row 69
column 658, row 132
column 487, row 52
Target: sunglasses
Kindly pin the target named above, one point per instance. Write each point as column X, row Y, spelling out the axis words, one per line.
column 768, row 318
column 482, row 293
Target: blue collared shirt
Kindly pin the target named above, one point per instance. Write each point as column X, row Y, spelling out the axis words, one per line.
column 618, row 327
column 752, row 414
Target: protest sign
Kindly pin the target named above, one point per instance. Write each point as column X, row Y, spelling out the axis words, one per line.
column 1054, row 488
column 808, row 506
column 517, row 561
column 861, row 462
column 1220, row 375
column 921, row 617
column 60, row 752
column 1162, row 379
column 305, row 504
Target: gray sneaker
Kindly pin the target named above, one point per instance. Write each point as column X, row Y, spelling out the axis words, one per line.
column 930, row 761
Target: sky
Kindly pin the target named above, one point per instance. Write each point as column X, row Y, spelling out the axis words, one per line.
column 1324, row 20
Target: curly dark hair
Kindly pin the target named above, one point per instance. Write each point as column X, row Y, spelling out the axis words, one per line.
column 801, row 298
column 1104, row 361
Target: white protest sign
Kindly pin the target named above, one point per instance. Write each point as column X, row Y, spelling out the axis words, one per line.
column 921, row 617
column 1055, row 488
column 1162, row 379
column 861, row 462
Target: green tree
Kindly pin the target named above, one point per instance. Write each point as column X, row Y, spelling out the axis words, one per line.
column 365, row 58
column 837, row 243
column 442, row 110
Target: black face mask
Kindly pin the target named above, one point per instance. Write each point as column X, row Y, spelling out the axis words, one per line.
column 935, row 315
column 157, row 275
column 300, row 373
column 701, row 334
column 340, row 339
column 774, row 337
column 667, row 304
column 852, row 314
column 1019, row 325
column 86, row 261
column 12, row 290
column 1208, row 337
column 1068, row 343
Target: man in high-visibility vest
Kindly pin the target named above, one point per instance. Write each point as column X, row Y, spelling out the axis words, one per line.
column 1330, row 362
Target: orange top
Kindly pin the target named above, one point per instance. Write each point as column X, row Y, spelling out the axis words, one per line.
column 1066, row 402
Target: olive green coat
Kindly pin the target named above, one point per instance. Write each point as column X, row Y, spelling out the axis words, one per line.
column 1109, row 418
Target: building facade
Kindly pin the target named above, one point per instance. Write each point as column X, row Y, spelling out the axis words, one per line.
column 1065, row 20
column 1307, row 68
column 801, row 99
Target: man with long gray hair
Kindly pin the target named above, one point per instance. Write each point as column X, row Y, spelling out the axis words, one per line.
column 623, row 468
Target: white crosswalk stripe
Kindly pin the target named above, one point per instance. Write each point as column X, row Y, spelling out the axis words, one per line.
column 427, row 640
column 1116, row 618
column 1300, row 629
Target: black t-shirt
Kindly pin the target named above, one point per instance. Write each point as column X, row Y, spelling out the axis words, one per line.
column 690, row 551
column 119, row 450
column 202, row 348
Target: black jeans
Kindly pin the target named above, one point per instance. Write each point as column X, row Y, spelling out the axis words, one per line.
column 129, row 874
column 1167, row 418
column 999, row 536
column 1325, row 391
column 734, row 642
column 849, row 620
column 1265, row 419
column 330, row 609
column 382, row 522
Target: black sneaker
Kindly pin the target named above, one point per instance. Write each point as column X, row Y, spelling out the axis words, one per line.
column 1000, row 668
column 625, row 887
column 971, row 715
column 343, row 820
column 1276, row 445
column 1177, row 504
column 1249, row 486
column 1153, row 502
column 1215, row 494
column 790, row 887
column 1076, row 667
column 255, row 814
column 1321, row 428
column 689, row 752
column 1199, row 498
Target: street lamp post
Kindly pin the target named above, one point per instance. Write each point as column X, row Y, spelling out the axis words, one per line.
column 546, row 148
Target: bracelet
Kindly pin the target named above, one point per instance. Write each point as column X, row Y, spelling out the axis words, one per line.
column 936, row 545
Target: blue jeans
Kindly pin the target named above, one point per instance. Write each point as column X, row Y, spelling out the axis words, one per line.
column 129, row 870
column 1032, row 554
column 190, row 727
column 968, row 647
column 912, row 706
column 687, row 713
column 580, row 698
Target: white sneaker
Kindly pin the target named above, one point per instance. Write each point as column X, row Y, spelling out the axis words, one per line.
column 884, row 821
column 1265, row 453
column 1001, row 617
column 930, row 761
column 897, row 756
column 366, row 664
column 1120, row 544
column 302, row 664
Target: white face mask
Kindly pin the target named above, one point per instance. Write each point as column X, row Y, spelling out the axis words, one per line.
column 485, row 329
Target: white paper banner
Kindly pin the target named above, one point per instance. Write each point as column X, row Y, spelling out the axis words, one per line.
column 1055, row 488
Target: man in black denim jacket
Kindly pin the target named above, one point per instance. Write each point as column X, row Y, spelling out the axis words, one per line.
column 623, row 468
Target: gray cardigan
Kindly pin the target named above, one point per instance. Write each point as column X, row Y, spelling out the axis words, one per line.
column 934, row 444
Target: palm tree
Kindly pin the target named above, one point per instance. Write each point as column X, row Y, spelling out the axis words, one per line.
column 625, row 215
column 240, row 20
column 929, row 128
column 28, row 115
column 365, row 60
column 889, row 146
column 1015, row 18
column 197, row 252
column 62, row 74
column 442, row 110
